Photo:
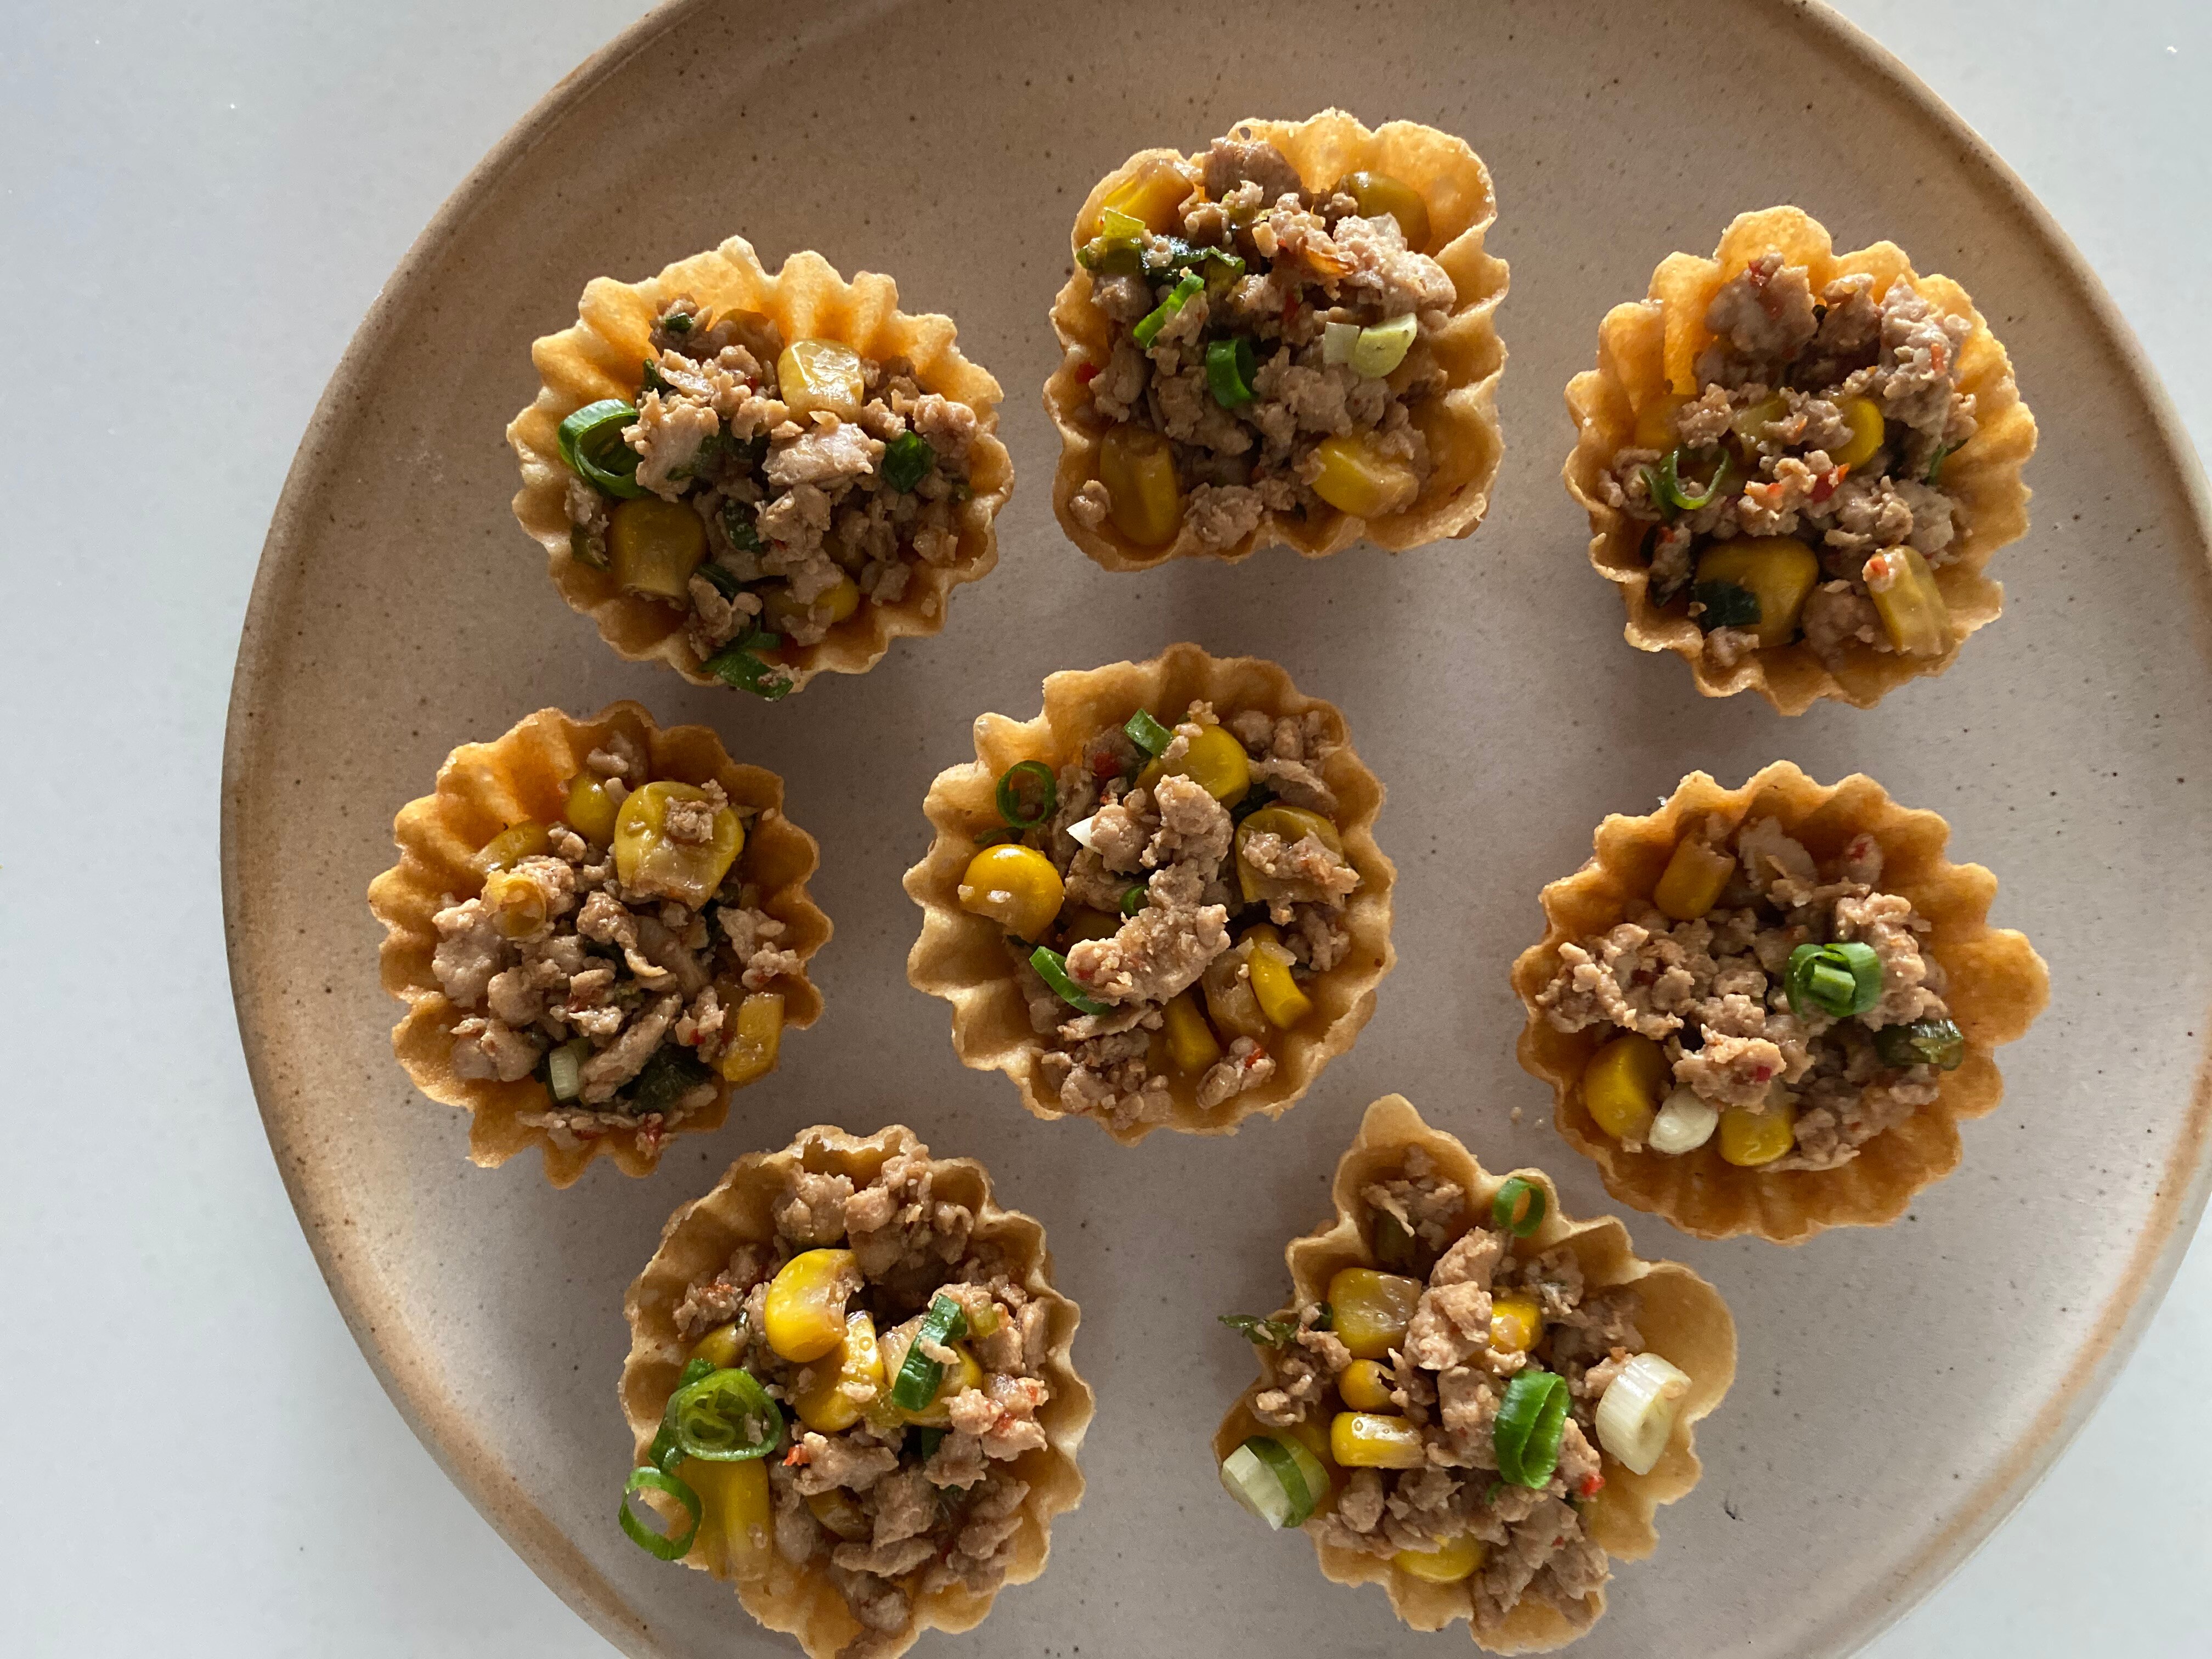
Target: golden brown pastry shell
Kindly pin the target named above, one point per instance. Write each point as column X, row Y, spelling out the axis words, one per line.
column 801, row 1600
column 1683, row 1319
column 1460, row 423
column 963, row 957
column 481, row 789
column 1645, row 348
column 602, row 355
column 1996, row 985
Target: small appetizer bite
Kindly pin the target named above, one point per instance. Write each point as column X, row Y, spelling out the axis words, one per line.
column 850, row 1386
column 599, row 929
column 1287, row 338
column 755, row 478
column 1471, row 1398
column 1161, row 901
column 1763, row 1010
column 1796, row 464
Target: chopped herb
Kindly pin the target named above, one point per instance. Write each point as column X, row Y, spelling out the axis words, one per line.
column 675, row 322
column 1937, row 1042
column 672, row 1072
column 581, row 549
column 1943, row 451
column 737, row 525
column 735, row 665
column 1133, row 900
column 1265, row 1332
column 907, row 459
column 1727, row 606
column 724, row 580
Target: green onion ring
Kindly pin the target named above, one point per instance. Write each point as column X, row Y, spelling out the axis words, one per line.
column 1010, row 794
column 1149, row 327
column 726, row 1417
column 1230, row 367
column 693, row 1370
column 1133, row 900
column 1052, row 968
column 671, row 1548
column 1147, row 733
column 1530, row 1422
column 735, row 666
column 1505, row 1211
column 1839, row 979
column 592, row 444
column 1670, row 481
column 920, row 1376
column 1937, row 1042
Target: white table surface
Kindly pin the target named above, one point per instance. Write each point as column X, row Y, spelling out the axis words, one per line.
column 197, row 203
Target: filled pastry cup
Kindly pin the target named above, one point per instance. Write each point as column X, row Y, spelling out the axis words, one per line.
column 1522, row 1554
column 1899, row 497
column 897, row 1227
column 1225, row 906
column 1260, row 457
column 835, row 498
column 1846, row 1141
column 555, row 998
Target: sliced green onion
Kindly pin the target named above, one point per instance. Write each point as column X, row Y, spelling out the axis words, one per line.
column 1530, row 1421
column 1728, row 604
column 1840, row 979
column 926, row 1441
column 1669, row 478
column 677, row 323
column 1052, row 968
column 906, row 459
column 1118, row 249
column 1338, row 341
column 564, row 1068
column 735, row 666
column 1636, row 1413
column 1147, row 733
column 672, row 1073
column 738, row 525
column 1134, row 901
column 1657, row 493
column 665, row 1454
column 725, row 1417
column 724, row 580
column 920, row 1376
column 1394, row 1245
column 1265, row 1333
column 662, row 1547
column 1518, row 1208
column 1936, row 1043
column 1324, row 1317
column 1275, row 1478
column 1943, row 452
column 581, row 551
column 1010, row 794
column 1382, row 346
column 1149, row 327
column 694, row 1370
column 1230, row 367
column 592, row 443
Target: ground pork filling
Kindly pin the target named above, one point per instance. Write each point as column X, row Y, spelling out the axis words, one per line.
column 625, row 1002
column 1236, row 299
column 895, row 1504
column 1825, row 420
column 816, row 480
column 1187, row 896
column 1786, row 1084
column 1483, row 1316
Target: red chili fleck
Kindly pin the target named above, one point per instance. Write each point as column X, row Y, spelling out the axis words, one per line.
column 1105, row 766
column 1590, row 1485
column 796, row 1455
column 1760, row 1074
column 1829, row 480
column 1086, row 373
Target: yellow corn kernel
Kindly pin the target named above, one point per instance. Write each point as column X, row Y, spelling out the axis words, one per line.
column 737, row 1520
column 517, row 841
column 1694, row 879
column 751, row 1055
column 1083, row 922
column 1361, row 1440
column 1364, row 1385
column 1749, row 1139
column 1655, row 421
column 820, row 374
column 839, row 1514
column 1865, row 418
column 723, row 1347
column 1280, row 999
column 1515, row 1323
column 591, row 811
column 1448, row 1562
column 1779, row 571
column 646, row 858
column 1215, row 761
column 1230, row 1003
column 518, row 904
column 1356, row 477
column 1015, row 886
column 1913, row 613
column 805, row 1315
column 1151, row 193
column 1751, row 424
column 1378, row 193
column 825, row 1405
column 841, row 601
column 654, row 546
column 1143, row 498
column 1624, row 1084
column 1372, row 1310
column 1191, row 1043
column 1293, row 824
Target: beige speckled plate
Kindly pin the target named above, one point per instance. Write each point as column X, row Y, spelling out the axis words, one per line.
column 1900, row 1389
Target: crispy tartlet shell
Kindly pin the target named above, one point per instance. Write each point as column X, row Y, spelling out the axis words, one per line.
column 696, row 1244
column 601, row 357
column 1996, row 985
column 963, row 957
column 1460, row 423
column 481, row 789
column 1684, row 1320
column 1647, row 348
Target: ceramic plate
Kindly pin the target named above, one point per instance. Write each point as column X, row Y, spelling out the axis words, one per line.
column 1899, row 1390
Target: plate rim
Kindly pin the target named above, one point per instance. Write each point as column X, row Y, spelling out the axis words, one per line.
column 405, row 1369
